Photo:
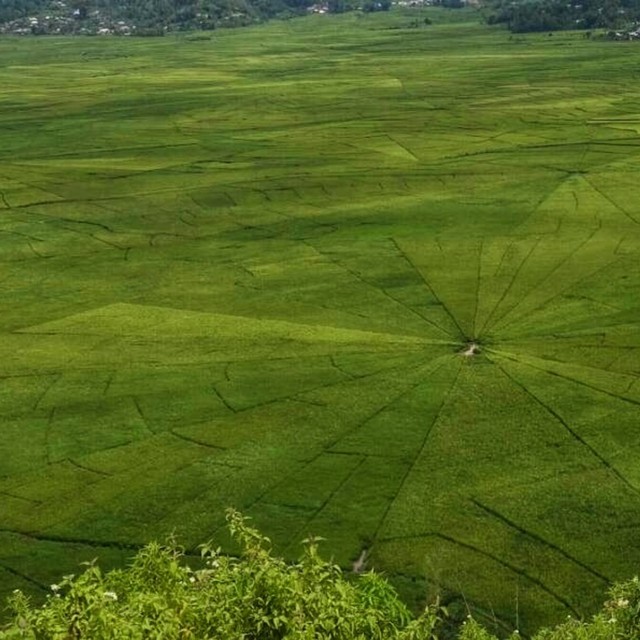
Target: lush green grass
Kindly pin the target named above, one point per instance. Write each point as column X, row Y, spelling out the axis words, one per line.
column 241, row 272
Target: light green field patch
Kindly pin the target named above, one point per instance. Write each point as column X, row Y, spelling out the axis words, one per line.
column 120, row 320
column 391, row 148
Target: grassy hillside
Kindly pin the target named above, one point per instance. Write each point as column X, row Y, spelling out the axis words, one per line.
column 241, row 272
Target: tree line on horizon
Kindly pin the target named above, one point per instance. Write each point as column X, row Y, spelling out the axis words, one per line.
column 557, row 15
column 155, row 17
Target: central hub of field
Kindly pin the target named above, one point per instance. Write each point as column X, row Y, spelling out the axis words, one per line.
column 471, row 348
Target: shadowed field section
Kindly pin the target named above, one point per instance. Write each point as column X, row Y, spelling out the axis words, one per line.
column 245, row 272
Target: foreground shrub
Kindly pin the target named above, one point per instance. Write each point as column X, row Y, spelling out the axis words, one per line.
column 619, row 620
column 255, row 596
column 259, row 597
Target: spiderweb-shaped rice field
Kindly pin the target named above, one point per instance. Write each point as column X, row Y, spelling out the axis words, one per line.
column 239, row 292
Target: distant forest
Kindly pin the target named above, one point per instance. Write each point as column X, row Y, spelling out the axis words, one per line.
column 154, row 17
column 554, row 15
column 149, row 17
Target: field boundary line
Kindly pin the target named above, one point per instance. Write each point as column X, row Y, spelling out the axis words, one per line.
column 89, row 469
column 487, row 554
column 576, row 283
column 24, row 576
column 545, row 278
column 575, row 380
column 382, row 290
column 608, row 199
column 326, row 448
column 539, row 539
column 570, row 430
column 478, row 284
column 404, row 255
column 507, row 289
column 334, row 492
column 412, row 464
column 294, row 397
column 191, row 440
column 511, row 567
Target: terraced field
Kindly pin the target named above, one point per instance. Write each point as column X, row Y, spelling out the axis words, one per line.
column 242, row 271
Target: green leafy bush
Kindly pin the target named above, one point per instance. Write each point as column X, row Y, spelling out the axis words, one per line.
column 254, row 596
column 259, row 597
column 619, row 620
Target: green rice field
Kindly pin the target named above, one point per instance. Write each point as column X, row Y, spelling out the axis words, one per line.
column 243, row 270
